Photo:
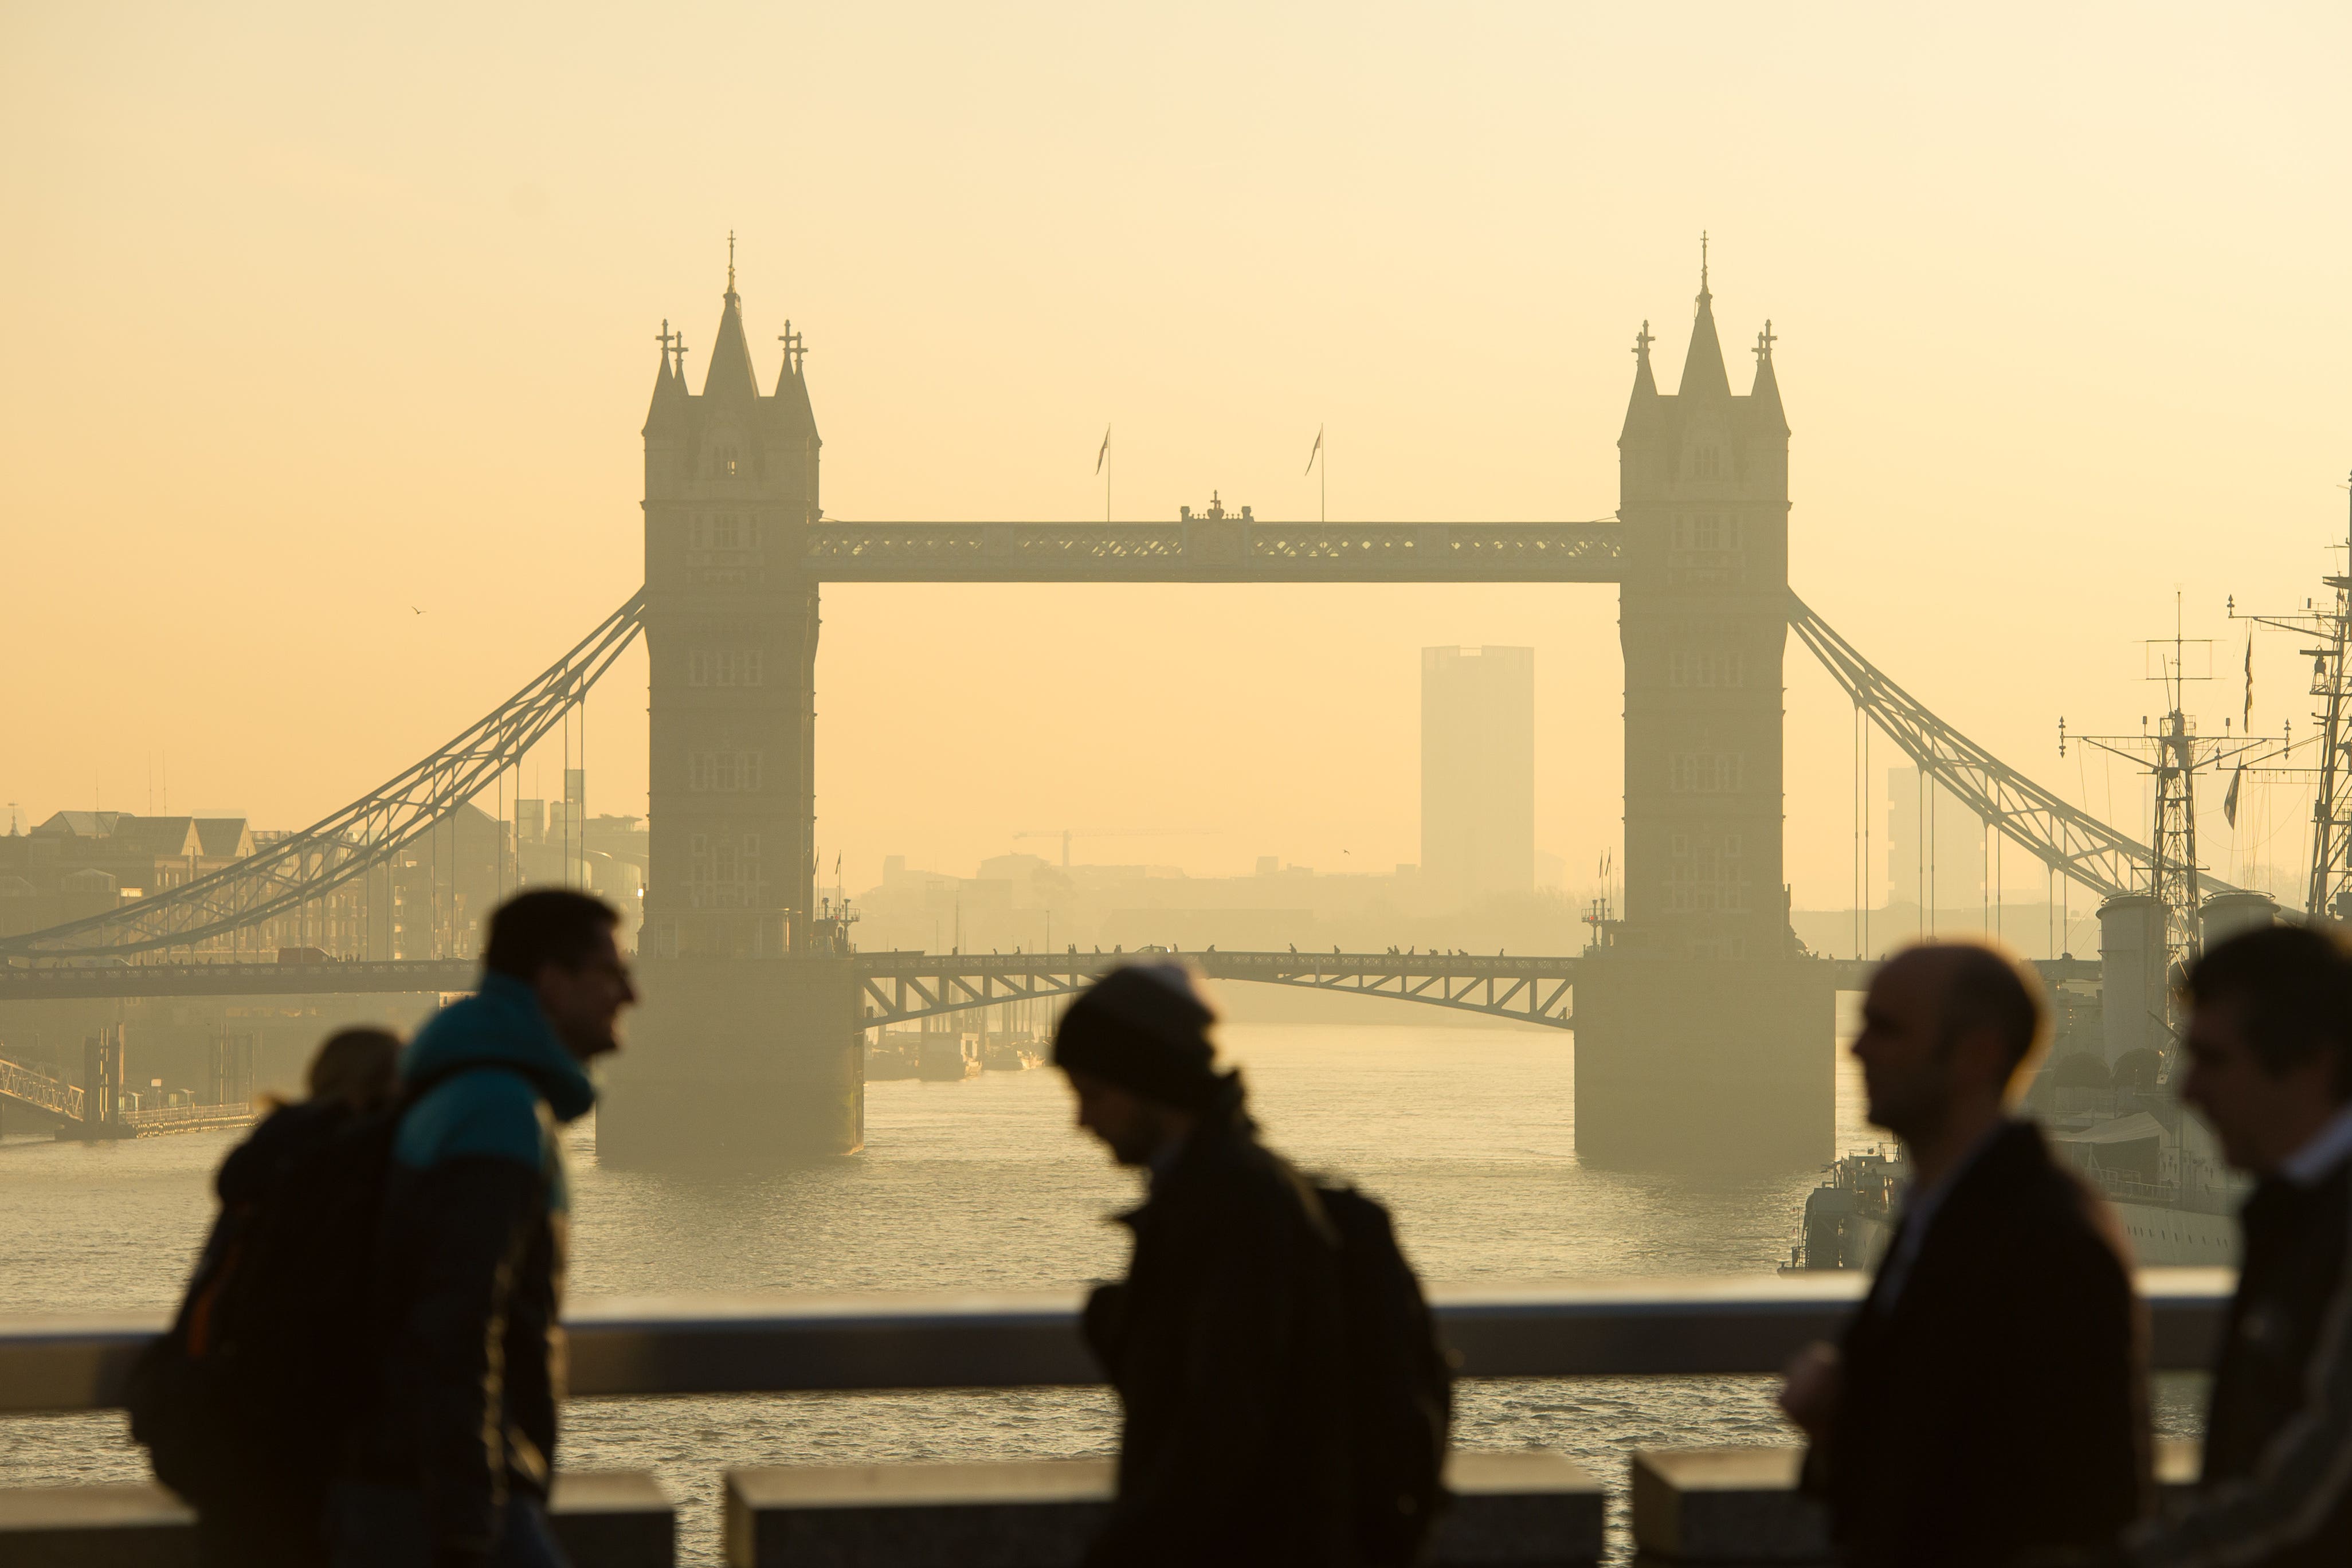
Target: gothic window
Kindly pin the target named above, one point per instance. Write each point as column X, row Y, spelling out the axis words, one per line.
column 1706, row 666
column 722, row 773
column 1707, row 773
column 723, row 665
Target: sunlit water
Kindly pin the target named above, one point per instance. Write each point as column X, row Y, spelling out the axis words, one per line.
column 1468, row 1134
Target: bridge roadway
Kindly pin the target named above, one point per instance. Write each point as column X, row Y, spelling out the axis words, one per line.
column 900, row 986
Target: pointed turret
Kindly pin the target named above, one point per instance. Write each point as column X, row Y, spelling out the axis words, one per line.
column 789, row 412
column 669, row 390
column 1642, row 408
column 1703, row 372
column 729, row 378
column 1765, row 416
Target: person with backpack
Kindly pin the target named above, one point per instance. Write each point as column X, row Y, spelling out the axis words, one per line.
column 454, row 1448
column 1283, row 1397
column 228, row 1401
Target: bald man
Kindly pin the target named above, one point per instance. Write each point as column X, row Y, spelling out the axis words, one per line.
column 1989, row 1398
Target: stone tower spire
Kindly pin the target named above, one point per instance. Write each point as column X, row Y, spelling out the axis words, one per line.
column 1703, row 372
column 1701, row 1030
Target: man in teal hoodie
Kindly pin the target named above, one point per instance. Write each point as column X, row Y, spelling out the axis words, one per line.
column 454, row 1458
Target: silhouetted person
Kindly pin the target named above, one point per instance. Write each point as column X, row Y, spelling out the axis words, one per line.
column 1223, row 1341
column 453, row 1461
column 1989, row 1398
column 273, row 1519
column 2269, row 1057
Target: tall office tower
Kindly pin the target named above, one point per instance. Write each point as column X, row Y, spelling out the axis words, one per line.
column 1478, row 774
column 1945, row 863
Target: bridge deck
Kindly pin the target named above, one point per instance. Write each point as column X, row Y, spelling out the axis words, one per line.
column 900, row 987
column 1216, row 550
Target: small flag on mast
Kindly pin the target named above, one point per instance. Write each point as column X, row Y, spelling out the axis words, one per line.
column 1313, row 453
column 2247, row 721
column 1104, row 456
column 2229, row 801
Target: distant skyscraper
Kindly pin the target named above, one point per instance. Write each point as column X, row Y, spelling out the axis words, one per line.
column 1954, row 870
column 1477, row 773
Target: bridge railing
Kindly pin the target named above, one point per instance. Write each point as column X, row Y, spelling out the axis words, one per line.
column 763, row 1344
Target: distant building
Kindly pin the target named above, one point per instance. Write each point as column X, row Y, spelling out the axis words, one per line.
column 1952, row 869
column 1478, row 774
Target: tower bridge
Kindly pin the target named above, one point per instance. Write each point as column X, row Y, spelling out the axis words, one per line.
column 1702, row 1027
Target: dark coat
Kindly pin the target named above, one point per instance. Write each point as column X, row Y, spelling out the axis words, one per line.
column 2277, row 1486
column 1998, row 1401
column 1224, row 1345
column 469, row 1266
column 275, row 1521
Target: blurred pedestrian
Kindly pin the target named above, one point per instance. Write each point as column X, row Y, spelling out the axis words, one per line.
column 1989, row 1399
column 1284, row 1400
column 456, row 1454
column 237, row 1403
column 2269, row 1058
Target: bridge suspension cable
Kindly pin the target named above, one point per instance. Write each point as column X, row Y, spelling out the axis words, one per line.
column 2072, row 842
column 290, row 873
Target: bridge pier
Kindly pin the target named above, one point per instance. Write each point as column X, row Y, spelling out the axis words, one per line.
column 735, row 1064
column 1705, row 1065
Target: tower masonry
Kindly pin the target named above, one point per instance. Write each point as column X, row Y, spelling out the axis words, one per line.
column 1702, row 1031
column 747, row 1042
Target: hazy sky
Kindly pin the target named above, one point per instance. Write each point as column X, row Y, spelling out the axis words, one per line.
column 317, row 319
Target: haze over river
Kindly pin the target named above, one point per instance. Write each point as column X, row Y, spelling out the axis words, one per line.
column 1467, row 1133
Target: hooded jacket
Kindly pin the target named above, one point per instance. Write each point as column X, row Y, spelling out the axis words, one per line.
column 1225, row 1343
column 469, row 1264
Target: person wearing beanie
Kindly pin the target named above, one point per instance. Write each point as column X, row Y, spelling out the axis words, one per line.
column 1224, row 1341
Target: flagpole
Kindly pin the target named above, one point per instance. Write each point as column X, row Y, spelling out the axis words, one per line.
column 1323, row 505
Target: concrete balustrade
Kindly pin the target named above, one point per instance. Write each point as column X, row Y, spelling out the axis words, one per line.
column 1516, row 1508
column 1742, row 1505
column 604, row 1518
column 1530, row 1510
column 773, row 1344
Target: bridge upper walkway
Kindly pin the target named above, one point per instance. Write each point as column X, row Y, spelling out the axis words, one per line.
column 1216, row 549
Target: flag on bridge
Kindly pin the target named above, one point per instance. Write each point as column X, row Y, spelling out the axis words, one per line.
column 2229, row 801
column 1313, row 453
column 1103, row 455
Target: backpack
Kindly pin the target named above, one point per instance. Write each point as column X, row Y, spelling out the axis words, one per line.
column 1401, row 1395
column 247, row 1400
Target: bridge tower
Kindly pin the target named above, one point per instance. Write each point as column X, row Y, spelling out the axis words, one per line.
column 1703, row 1035
column 747, row 1042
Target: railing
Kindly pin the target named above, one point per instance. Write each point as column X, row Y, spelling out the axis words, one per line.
column 776, row 1345
column 38, row 1089
column 190, row 1118
column 902, row 987
column 63, row 982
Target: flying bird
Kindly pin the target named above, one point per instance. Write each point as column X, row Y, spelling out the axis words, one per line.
column 413, row 607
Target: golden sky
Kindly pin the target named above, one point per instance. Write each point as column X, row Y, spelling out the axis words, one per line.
column 315, row 319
